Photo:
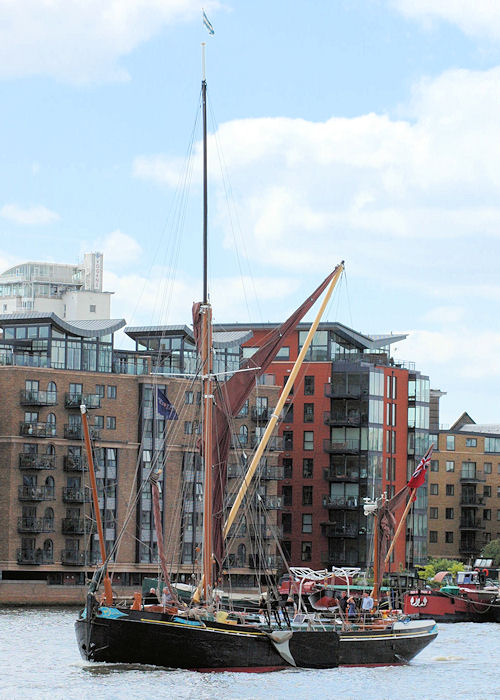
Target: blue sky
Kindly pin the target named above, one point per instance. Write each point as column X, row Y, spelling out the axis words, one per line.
column 364, row 130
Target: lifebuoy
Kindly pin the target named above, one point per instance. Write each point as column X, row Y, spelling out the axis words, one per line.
column 486, row 572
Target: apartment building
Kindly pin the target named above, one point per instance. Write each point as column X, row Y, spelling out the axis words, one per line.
column 464, row 490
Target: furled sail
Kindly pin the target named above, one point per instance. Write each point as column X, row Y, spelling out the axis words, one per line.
column 230, row 397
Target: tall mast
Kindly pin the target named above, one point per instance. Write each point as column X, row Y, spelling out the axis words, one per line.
column 206, row 366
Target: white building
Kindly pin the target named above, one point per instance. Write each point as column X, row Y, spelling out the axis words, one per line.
column 73, row 292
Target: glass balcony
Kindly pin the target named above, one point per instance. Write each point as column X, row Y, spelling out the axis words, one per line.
column 471, row 500
column 472, row 524
column 347, row 503
column 339, row 418
column 334, row 530
column 76, row 400
column 344, row 447
column 332, row 474
column 75, row 432
column 38, row 398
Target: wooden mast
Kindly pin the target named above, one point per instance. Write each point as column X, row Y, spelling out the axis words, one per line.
column 108, row 593
column 206, row 366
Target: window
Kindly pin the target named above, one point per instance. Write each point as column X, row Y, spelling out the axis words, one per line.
column 188, row 428
column 111, row 422
column 308, row 440
column 307, row 468
column 243, row 435
column 307, row 523
column 486, row 514
column 286, row 546
column 244, row 410
column 449, row 514
column 287, row 413
column 286, row 522
column 287, row 495
column 111, row 391
column 287, row 467
column 434, row 465
column 98, row 421
column 448, row 537
column 433, row 513
column 487, row 491
column 470, row 442
column 283, row 353
column 306, row 551
column 450, row 489
column 99, row 390
column 450, row 466
column 433, row 536
column 488, row 467
column 308, row 386
column 92, row 308
column 450, row 442
column 307, row 495
column 434, row 489
column 308, row 413
column 468, row 470
column 189, row 397
column 288, row 440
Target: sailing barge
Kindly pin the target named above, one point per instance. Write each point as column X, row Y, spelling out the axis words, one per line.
column 200, row 636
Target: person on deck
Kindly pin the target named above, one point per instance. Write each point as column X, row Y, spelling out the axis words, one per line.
column 343, row 602
column 351, row 608
column 367, row 604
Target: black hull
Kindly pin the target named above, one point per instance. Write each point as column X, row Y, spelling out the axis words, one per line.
column 155, row 639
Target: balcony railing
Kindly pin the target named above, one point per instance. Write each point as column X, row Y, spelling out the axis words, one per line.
column 75, row 432
column 339, row 559
column 34, row 557
column 38, row 398
column 345, row 447
column 35, row 429
column 35, row 525
column 35, row 493
column 351, row 502
column 334, row 530
column 339, row 418
column 271, row 502
column 270, row 562
column 275, row 444
column 77, row 399
column 265, row 533
column 73, row 494
column 472, row 524
column 77, row 526
column 34, row 461
column 74, row 463
column 238, row 471
column 71, row 557
column 471, row 500
column 352, row 476
column 471, row 478
column 334, row 392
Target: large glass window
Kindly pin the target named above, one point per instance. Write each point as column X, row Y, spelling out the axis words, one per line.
column 308, row 440
column 450, row 442
column 318, row 350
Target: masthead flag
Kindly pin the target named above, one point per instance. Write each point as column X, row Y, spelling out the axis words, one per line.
column 418, row 476
column 208, row 24
column 165, row 408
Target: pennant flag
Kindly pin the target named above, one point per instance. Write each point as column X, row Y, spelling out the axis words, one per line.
column 165, row 408
column 207, row 24
column 418, row 476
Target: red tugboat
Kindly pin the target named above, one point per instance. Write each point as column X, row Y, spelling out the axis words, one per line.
column 468, row 600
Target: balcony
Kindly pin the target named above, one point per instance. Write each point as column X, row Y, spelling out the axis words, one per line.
column 270, row 502
column 270, row 562
column 350, row 503
column 35, row 525
column 337, row 418
column 265, row 533
column 74, row 463
column 34, row 557
column 334, row 392
column 75, row 432
column 472, row 500
column 72, row 494
column 34, row 461
column 335, row 530
column 471, row 479
column 72, row 557
column 470, row 549
column 330, row 474
column 38, row 398
column 275, row 444
column 238, row 471
column 339, row 559
column 76, row 400
column 35, row 493
column 37, row 430
column 472, row 524
column 345, row 447
column 77, row 526
column 260, row 415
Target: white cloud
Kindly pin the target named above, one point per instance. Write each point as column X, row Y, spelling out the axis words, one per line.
column 29, row 216
column 444, row 315
column 120, row 250
column 79, row 41
column 473, row 17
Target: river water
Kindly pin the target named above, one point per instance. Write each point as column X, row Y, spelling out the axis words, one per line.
column 39, row 659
